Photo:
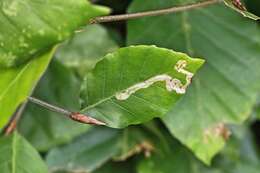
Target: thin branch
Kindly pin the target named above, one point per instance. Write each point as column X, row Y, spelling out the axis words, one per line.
column 112, row 18
column 11, row 126
column 75, row 116
column 49, row 106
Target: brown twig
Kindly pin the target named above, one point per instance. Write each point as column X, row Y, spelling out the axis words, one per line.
column 11, row 126
column 75, row 116
column 120, row 17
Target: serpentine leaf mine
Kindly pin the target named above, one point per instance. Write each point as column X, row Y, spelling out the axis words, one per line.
column 172, row 84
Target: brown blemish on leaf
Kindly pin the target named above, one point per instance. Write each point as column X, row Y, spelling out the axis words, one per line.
column 220, row 130
column 145, row 147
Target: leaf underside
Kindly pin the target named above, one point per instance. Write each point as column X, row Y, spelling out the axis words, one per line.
column 100, row 145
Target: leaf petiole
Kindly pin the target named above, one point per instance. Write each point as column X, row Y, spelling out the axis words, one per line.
column 75, row 116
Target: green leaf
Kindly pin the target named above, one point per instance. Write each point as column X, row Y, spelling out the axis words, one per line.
column 29, row 27
column 18, row 156
column 17, row 83
column 86, row 48
column 87, row 152
column 113, row 92
column 239, row 156
column 239, row 7
column 225, row 89
column 43, row 128
column 174, row 160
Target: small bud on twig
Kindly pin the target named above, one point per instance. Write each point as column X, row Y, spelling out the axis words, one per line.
column 85, row 119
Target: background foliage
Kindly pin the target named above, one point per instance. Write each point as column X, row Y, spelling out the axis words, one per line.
column 190, row 134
